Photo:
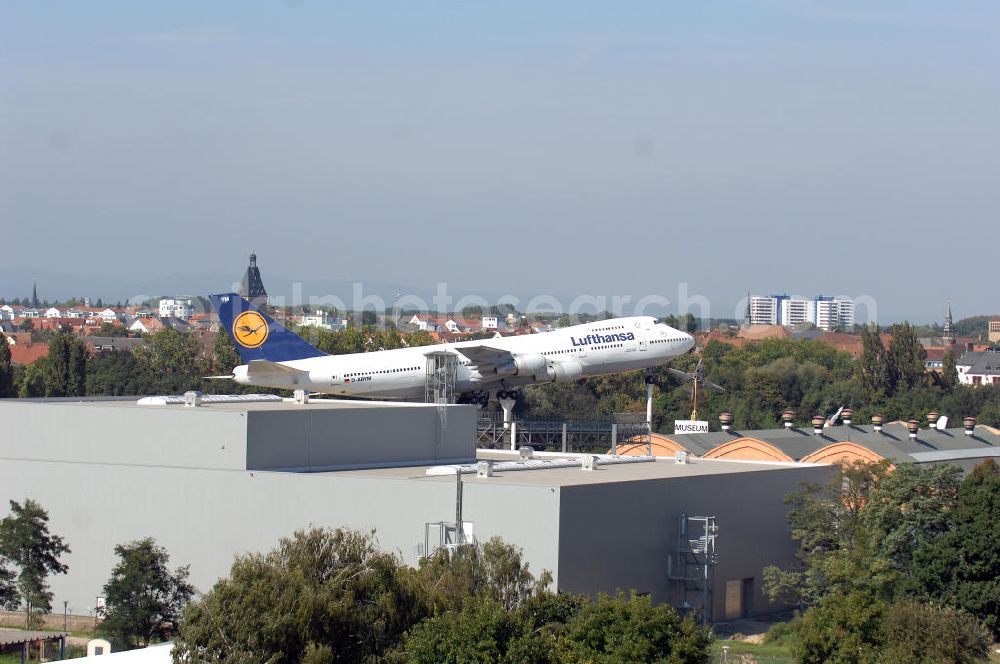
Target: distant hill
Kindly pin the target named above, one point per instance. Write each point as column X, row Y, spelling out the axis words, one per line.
column 973, row 326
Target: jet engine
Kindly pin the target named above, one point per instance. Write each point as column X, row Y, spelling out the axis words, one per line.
column 565, row 371
column 534, row 364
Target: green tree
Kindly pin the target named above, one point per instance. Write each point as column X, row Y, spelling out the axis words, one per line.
column 873, row 366
column 483, row 631
column 949, row 372
column 974, row 326
column 111, row 330
column 564, row 400
column 906, row 358
column 989, row 415
column 6, row 370
column 26, row 542
column 32, row 383
column 9, row 598
column 907, row 510
column 327, row 595
column 489, row 608
column 173, row 359
column 224, row 355
column 858, row 628
column 117, row 373
column 494, row 569
column 143, row 598
column 962, row 567
column 833, row 545
column 841, row 629
column 64, row 370
column 928, row 634
column 624, row 628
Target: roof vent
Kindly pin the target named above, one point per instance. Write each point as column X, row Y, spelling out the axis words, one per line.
column 877, row 421
column 300, row 397
column 913, row 427
column 588, row 462
column 970, row 425
column 818, row 421
column 192, row 399
column 726, row 421
column 932, row 418
column 484, row 469
column 846, row 415
column 788, row 417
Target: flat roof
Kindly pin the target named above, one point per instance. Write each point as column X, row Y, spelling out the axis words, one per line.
column 661, row 468
column 283, row 405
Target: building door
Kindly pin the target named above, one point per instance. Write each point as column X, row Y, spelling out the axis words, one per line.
column 734, row 599
column 739, row 598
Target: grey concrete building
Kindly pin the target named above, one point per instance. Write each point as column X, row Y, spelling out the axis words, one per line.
column 221, row 479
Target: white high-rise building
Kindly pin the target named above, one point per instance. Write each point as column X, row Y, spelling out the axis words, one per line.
column 826, row 313
column 177, row 308
column 833, row 313
column 796, row 311
column 764, row 310
column 846, row 313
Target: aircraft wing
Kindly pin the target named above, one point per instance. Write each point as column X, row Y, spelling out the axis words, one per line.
column 486, row 358
column 263, row 369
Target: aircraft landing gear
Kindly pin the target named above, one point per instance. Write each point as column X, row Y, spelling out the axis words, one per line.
column 508, row 399
column 650, row 382
column 478, row 399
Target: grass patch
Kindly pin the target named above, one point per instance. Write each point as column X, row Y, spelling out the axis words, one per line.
column 742, row 652
column 742, row 647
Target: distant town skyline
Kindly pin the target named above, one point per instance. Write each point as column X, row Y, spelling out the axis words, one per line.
column 557, row 148
column 297, row 292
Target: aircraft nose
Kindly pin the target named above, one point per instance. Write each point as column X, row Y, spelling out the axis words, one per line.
column 689, row 342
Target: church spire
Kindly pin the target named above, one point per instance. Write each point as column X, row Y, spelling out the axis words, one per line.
column 949, row 328
column 34, row 294
column 253, row 288
column 746, row 313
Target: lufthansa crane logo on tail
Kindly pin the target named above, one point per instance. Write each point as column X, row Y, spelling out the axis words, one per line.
column 250, row 329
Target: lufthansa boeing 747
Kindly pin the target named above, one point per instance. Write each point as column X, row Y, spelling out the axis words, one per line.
column 278, row 358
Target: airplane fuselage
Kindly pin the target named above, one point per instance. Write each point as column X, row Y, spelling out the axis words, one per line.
column 563, row 355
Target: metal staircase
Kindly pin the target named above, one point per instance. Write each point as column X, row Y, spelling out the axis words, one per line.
column 691, row 567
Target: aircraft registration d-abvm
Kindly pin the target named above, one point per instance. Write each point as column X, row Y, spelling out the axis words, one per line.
column 278, row 358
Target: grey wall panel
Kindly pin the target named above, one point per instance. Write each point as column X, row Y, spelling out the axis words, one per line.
column 317, row 437
column 126, row 434
column 278, row 439
column 205, row 517
column 620, row 535
column 357, row 437
column 527, row 516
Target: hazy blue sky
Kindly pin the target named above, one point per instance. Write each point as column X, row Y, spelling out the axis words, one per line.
column 563, row 147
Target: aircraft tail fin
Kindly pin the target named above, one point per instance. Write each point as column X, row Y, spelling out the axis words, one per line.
column 256, row 335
